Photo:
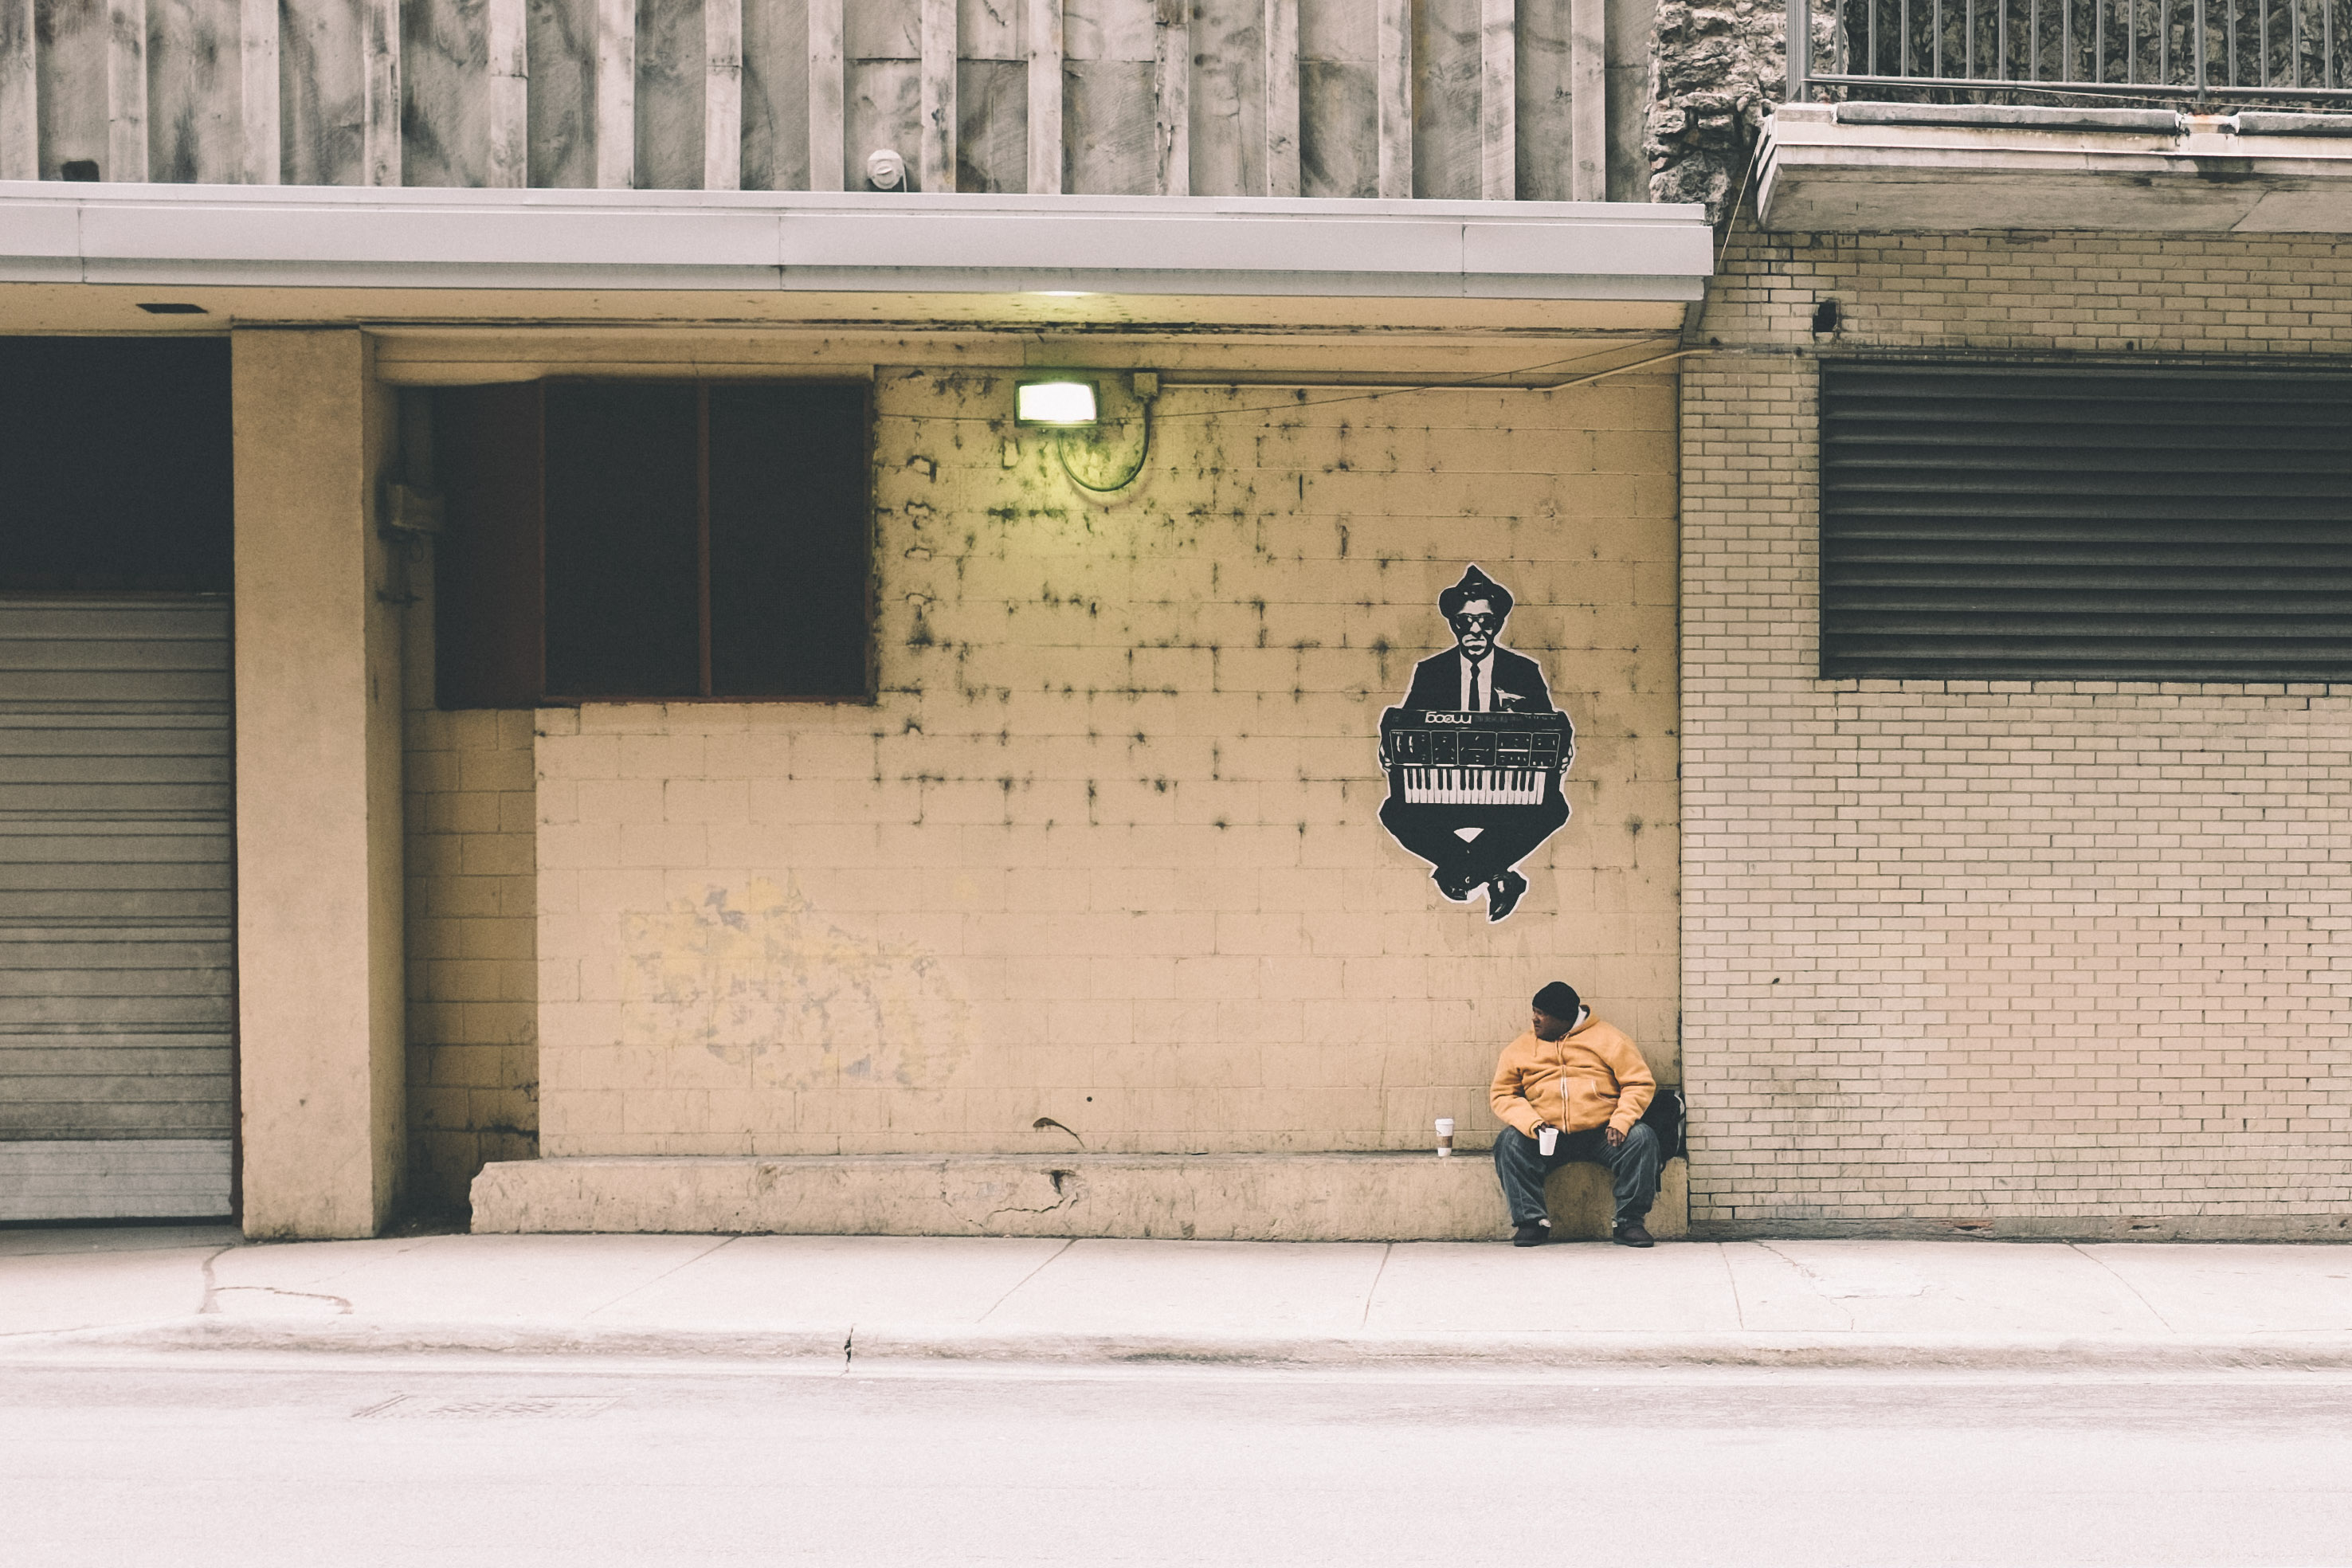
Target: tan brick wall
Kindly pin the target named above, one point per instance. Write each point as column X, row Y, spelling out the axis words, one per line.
column 473, row 1040
column 1106, row 849
column 2062, row 956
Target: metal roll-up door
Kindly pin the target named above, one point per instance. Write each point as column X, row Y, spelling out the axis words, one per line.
column 117, row 1003
column 2020, row 522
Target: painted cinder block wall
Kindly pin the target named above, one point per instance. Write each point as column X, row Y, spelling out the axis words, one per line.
column 470, row 831
column 473, row 1020
column 1105, row 849
column 2031, row 957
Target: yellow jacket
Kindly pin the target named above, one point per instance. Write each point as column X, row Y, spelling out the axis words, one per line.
column 1594, row 1075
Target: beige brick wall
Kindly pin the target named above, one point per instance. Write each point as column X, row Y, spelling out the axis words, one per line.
column 1106, row 849
column 2055, row 956
column 473, row 1039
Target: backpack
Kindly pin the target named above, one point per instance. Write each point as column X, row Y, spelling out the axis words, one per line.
column 1664, row 1118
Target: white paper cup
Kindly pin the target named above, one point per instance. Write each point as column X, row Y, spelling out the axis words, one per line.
column 1547, row 1140
column 1444, row 1136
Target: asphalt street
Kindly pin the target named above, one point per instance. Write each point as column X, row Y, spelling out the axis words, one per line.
column 196, row 1459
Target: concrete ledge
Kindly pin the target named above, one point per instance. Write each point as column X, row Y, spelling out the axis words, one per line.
column 2164, row 121
column 1916, row 168
column 1187, row 1197
column 2253, row 123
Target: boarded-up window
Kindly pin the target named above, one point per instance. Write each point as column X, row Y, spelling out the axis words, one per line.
column 115, row 459
column 2039, row 523
column 653, row 541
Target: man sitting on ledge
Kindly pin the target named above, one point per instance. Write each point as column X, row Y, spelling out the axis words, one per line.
column 1581, row 1080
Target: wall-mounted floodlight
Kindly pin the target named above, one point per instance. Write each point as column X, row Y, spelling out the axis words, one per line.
column 1056, row 401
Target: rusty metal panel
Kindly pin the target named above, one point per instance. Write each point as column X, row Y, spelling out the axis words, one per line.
column 195, row 95
column 776, row 96
column 1108, row 106
column 2042, row 523
column 560, row 37
column 672, row 71
column 445, row 61
column 1338, row 107
column 69, row 69
column 1446, row 99
column 992, row 125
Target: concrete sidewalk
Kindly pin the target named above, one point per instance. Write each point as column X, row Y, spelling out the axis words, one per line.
column 1960, row 1304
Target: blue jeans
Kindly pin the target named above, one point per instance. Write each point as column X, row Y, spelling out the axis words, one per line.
column 1633, row 1163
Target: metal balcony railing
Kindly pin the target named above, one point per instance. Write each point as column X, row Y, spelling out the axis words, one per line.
column 2289, row 52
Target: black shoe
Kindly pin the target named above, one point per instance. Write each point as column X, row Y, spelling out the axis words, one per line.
column 1632, row 1235
column 1503, row 894
column 1535, row 1233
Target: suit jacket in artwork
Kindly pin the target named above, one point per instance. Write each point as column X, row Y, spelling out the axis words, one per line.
column 1518, row 684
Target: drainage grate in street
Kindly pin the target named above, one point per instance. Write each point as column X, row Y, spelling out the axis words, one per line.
column 543, row 1406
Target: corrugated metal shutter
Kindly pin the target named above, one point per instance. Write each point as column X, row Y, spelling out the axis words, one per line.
column 116, row 1081
column 2028, row 524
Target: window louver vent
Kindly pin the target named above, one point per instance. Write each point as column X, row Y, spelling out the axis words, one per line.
column 2011, row 523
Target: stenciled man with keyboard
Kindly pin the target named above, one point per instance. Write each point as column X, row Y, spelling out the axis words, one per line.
column 1475, row 755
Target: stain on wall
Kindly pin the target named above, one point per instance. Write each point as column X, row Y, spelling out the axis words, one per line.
column 778, row 996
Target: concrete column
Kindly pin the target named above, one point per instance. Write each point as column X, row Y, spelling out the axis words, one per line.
column 318, row 791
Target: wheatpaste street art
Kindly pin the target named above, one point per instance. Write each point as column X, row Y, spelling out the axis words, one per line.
column 1475, row 755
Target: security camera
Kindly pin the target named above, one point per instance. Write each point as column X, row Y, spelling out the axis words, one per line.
column 885, row 169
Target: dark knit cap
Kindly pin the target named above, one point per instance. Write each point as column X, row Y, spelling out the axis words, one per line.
column 1559, row 1000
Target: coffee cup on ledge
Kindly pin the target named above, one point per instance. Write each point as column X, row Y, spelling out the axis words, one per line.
column 1444, row 1136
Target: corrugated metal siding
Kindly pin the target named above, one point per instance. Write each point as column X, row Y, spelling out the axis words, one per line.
column 116, row 914
column 2058, row 523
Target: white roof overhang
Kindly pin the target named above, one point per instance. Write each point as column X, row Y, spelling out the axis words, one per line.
column 1914, row 168
column 285, row 238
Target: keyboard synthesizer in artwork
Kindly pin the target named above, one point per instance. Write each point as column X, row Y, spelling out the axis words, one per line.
column 1475, row 755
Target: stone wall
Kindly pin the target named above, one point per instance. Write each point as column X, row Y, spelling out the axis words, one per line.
column 1101, row 869
column 2025, row 957
column 1716, row 71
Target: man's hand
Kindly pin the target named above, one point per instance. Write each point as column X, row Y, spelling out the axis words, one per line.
column 1616, row 1137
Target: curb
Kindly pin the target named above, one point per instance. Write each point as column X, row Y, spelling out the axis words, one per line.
column 845, row 1345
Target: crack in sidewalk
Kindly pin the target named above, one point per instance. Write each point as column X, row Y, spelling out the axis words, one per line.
column 1024, row 1280
column 1817, row 1282
column 650, row 1284
column 342, row 1306
column 2102, row 1263
column 208, row 1301
column 1731, row 1278
column 1388, row 1250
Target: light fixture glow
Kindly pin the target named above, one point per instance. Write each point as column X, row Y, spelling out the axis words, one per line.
column 1058, row 401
